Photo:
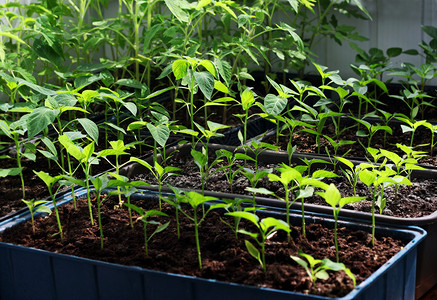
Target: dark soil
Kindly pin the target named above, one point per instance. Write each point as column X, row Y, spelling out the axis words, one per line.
column 417, row 200
column 223, row 257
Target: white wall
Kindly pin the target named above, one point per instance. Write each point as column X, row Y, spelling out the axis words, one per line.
column 396, row 23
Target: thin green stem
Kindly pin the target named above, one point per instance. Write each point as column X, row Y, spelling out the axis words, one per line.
column 57, row 213
column 99, row 219
column 196, row 233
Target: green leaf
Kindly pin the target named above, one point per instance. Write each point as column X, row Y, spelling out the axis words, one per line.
column 12, row 36
column 50, row 145
column 276, row 223
column 324, row 174
column 262, row 191
column 367, row 177
column 299, row 261
column 70, row 147
column 195, row 199
column 176, row 7
column 332, row 195
column 118, row 128
column 219, row 86
column 274, row 105
column 132, row 83
column 393, row 52
column 83, row 81
column 43, row 209
column 48, row 180
column 362, row 8
column 90, row 128
column 199, row 158
column 10, row 172
column 4, row 127
column 245, row 215
column 247, row 99
column 160, row 133
column 205, row 80
column 345, row 161
column 44, row 50
column 322, row 274
column 39, row 119
column 88, row 151
column 430, row 30
column 209, row 66
column 253, row 251
column 180, row 68
column 132, row 107
column 224, row 69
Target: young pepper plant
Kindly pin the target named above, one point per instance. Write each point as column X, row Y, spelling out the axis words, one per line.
column 266, row 228
column 118, row 148
column 201, row 157
column 316, row 268
column 371, row 176
column 187, row 70
column 333, row 197
column 13, row 131
column 144, row 215
column 371, row 130
column 36, row 206
column 86, row 159
column 50, row 182
column 195, row 200
column 160, row 173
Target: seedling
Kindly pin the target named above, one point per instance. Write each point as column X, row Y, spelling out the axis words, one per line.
column 159, row 128
column 86, row 159
column 50, row 182
column 127, row 188
column 292, row 179
column 201, row 157
column 411, row 126
column 254, row 176
column 411, row 159
column 336, row 145
column 194, row 200
column 247, row 101
column 13, row 131
column 316, row 268
column 160, row 173
column 267, row 227
column 187, row 69
column 379, row 179
column 36, row 206
column 371, row 130
column 333, row 197
column 118, row 149
column 238, row 204
column 231, row 162
column 319, row 119
column 351, row 172
column 143, row 217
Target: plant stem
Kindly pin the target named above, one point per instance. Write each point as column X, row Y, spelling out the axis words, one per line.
column 17, row 147
column 196, row 233
column 335, row 237
column 99, row 220
column 57, row 213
